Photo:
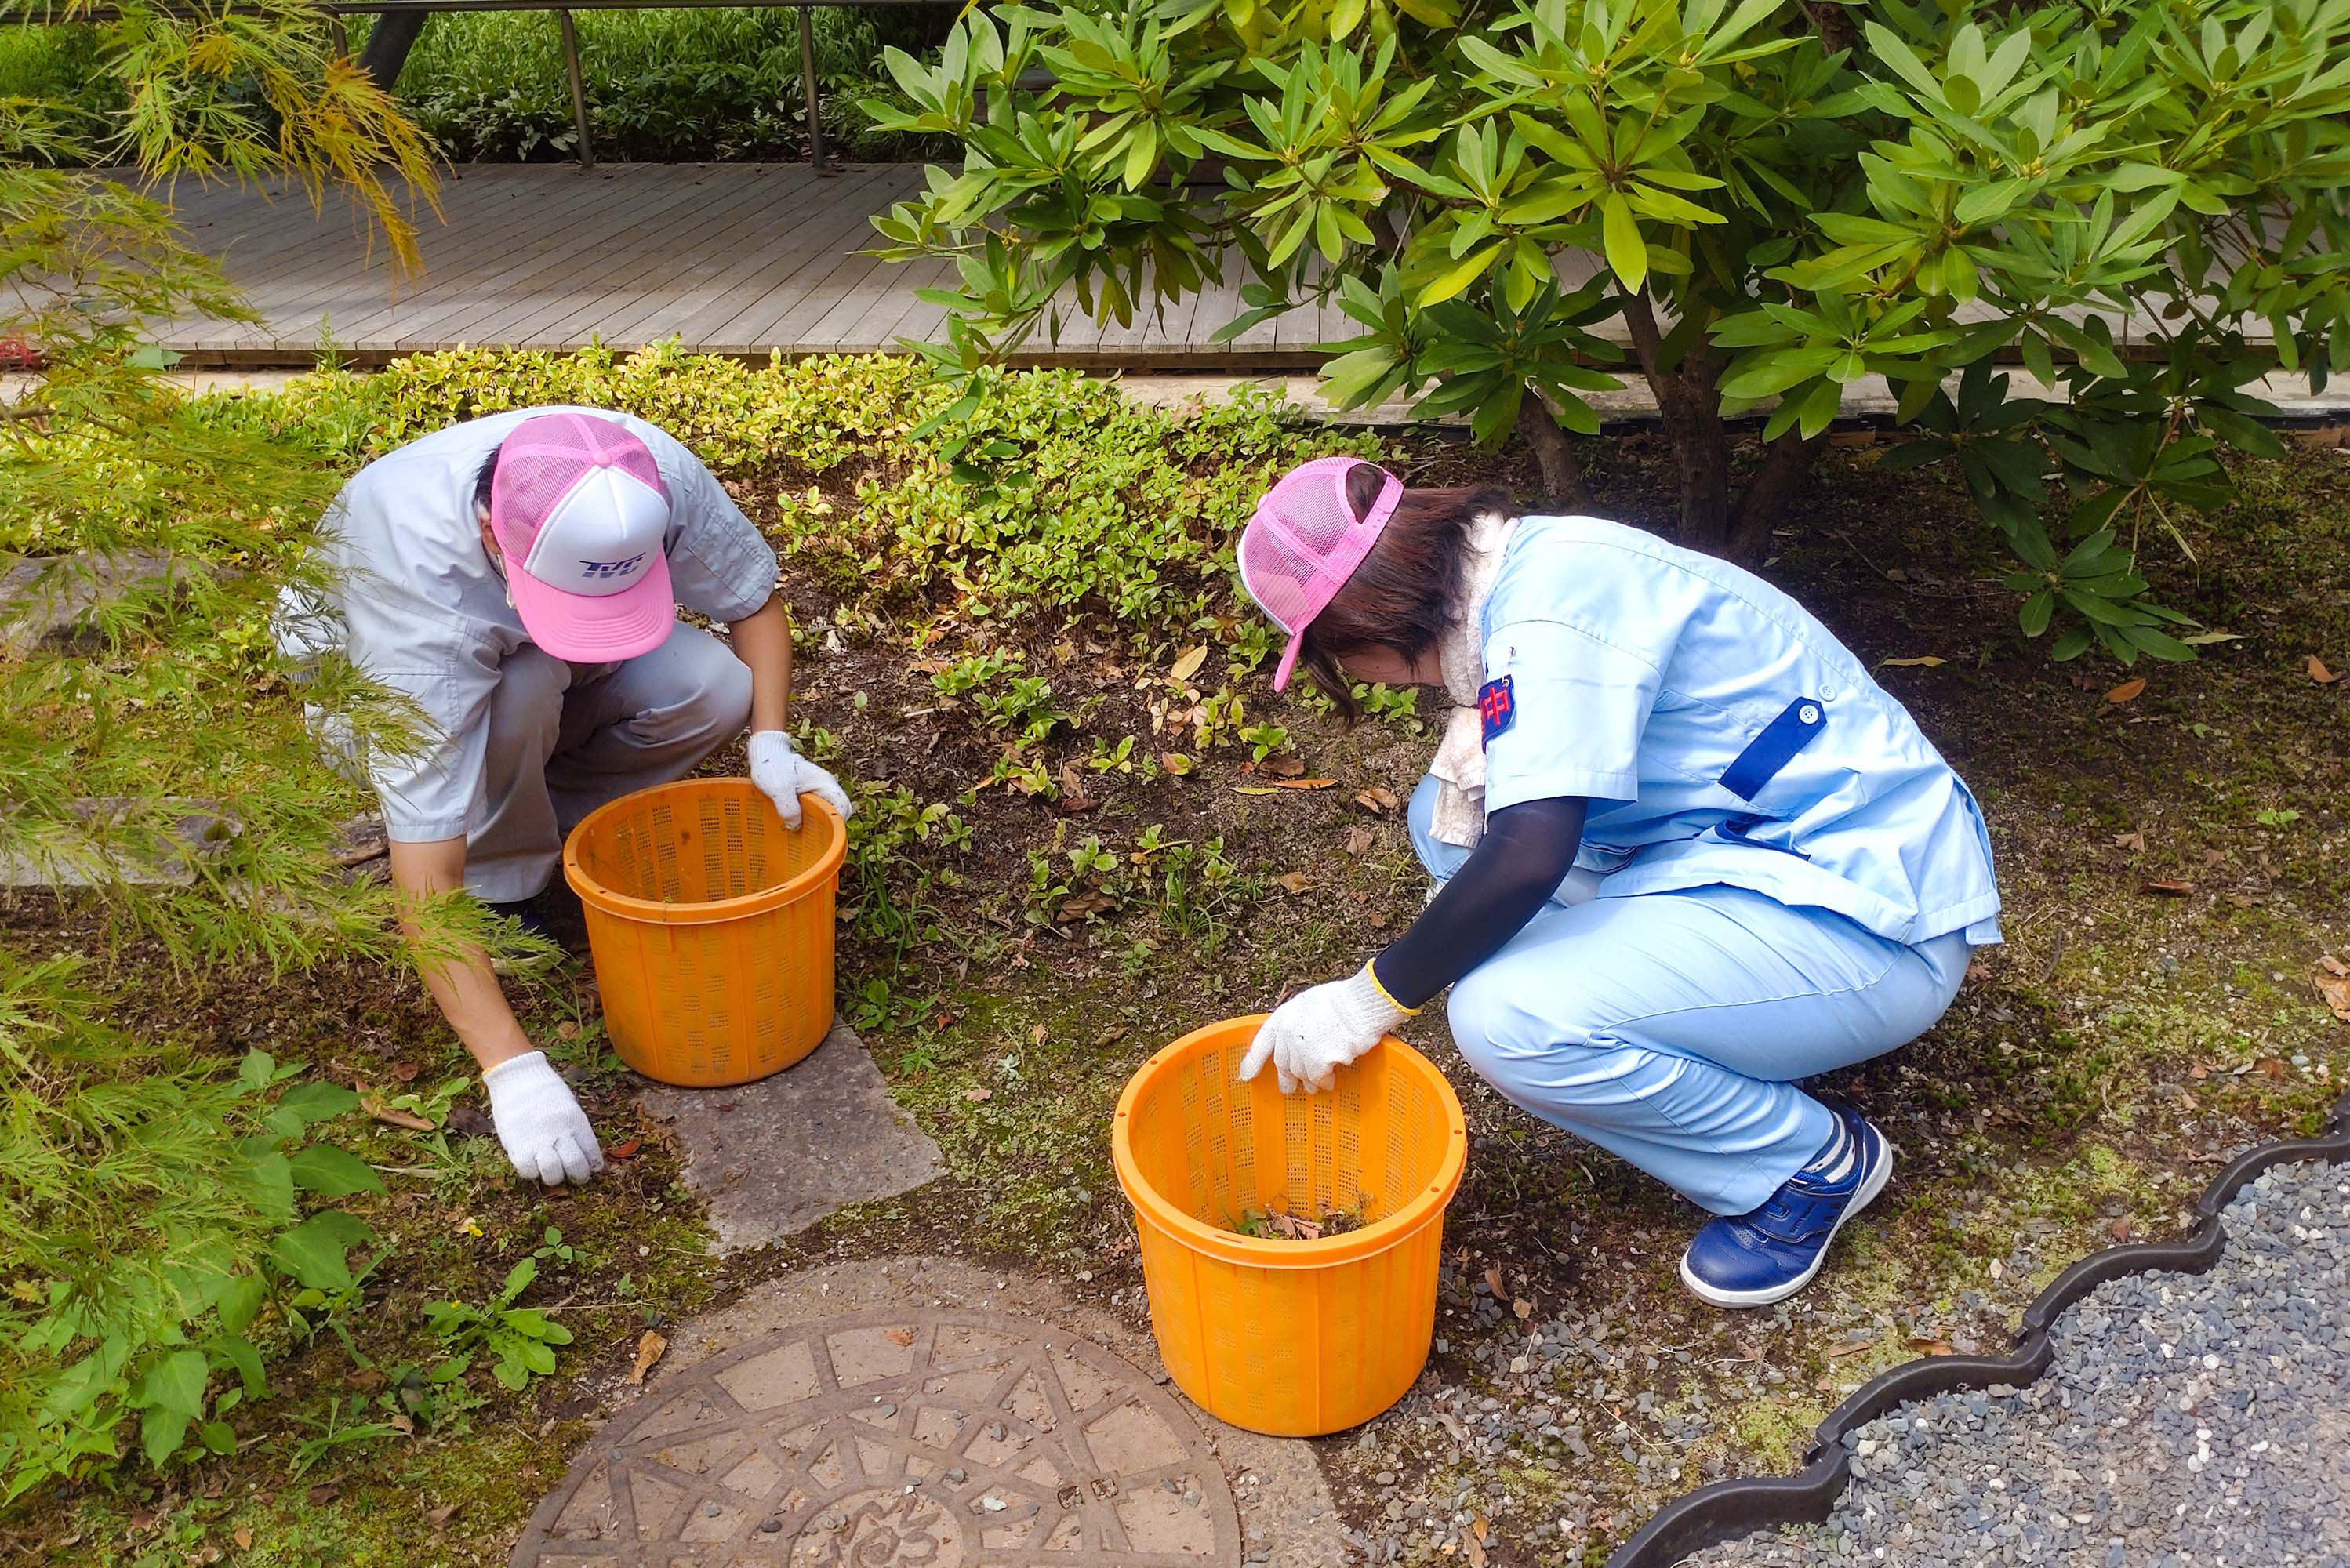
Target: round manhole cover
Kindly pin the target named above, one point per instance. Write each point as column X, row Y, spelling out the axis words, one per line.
column 926, row 1438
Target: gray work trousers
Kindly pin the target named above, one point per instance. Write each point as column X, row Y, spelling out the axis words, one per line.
column 565, row 738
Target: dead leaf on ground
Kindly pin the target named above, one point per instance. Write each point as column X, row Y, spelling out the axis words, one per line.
column 2319, row 673
column 2215, row 857
column 2118, row 1227
column 401, row 1423
column 1923, row 661
column 1291, row 882
column 1299, row 783
column 2271, row 1067
column 471, row 1121
column 627, row 1151
column 2332, row 965
column 243, row 1536
column 398, row 1119
column 439, row 1517
column 405, row 1072
column 650, row 1345
column 2199, row 1072
column 1849, row 1347
column 1377, row 798
column 1359, row 839
column 1523, row 1308
column 324, row 1493
column 1925, row 1346
column 2167, row 889
column 1187, row 664
column 1074, row 799
column 978, row 1093
column 1493, row 1284
column 2126, row 690
column 1175, row 762
column 2132, row 840
column 2334, row 990
column 1286, row 766
column 566, row 1030
column 900, row 1336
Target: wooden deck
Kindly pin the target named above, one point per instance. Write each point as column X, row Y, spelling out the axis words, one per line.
column 730, row 257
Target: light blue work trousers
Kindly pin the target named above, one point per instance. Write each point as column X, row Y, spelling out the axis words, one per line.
column 1669, row 1027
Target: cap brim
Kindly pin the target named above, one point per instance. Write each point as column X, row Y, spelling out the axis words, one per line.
column 590, row 630
column 1288, row 666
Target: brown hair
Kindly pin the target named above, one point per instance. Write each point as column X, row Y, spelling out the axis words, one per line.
column 1401, row 597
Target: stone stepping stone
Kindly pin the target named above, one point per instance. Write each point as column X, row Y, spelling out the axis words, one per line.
column 774, row 1156
column 927, row 1414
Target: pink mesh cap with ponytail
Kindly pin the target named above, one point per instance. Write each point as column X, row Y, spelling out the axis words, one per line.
column 579, row 513
column 1305, row 542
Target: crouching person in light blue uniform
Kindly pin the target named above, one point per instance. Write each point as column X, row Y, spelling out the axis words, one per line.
column 1686, row 852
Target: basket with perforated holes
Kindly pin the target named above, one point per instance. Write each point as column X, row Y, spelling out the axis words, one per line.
column 711, row 924
column 1291, row 1337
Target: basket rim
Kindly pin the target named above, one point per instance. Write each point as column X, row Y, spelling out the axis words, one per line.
column 810, row 877
column 1267, row 1252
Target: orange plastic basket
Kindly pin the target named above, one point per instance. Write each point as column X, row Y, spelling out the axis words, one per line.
column 1296, row 1338
column 711, row 924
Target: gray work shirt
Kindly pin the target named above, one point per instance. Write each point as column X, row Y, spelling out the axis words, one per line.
column 420, row 609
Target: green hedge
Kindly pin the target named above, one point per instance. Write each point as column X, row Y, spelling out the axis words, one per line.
column 1058, row 498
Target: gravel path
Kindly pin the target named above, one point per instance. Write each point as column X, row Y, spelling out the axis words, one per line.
column 2189, row 1422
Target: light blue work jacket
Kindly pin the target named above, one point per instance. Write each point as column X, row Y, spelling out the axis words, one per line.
column 1721, row 734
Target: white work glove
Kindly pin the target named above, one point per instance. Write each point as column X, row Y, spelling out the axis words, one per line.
column 784, row 775
column 1320, row 1030
column 539, row 1121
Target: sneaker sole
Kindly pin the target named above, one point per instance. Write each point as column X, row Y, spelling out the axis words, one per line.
column 1715, row 1296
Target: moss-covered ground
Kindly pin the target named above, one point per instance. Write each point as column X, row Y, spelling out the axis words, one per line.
column 2174, row 864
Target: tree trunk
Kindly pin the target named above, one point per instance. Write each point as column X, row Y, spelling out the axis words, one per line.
column 1773, row 485
column 1562, row 475
column 1701, row 447
column 1691, row 410
column 386, row 51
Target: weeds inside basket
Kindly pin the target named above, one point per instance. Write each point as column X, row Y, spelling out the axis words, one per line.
column 1280, row 1225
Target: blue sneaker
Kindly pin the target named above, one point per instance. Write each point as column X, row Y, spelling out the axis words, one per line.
column 1769, row 1253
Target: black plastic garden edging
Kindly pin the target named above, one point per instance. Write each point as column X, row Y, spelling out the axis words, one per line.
column 1730, row 1509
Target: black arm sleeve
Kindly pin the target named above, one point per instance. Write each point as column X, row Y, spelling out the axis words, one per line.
column 1526, row 852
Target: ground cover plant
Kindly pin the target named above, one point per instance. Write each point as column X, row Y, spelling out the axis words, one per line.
column 2143, row 203
column 1048, row 881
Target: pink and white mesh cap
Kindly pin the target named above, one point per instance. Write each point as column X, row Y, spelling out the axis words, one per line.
column 1305, row 542
column 578, row 508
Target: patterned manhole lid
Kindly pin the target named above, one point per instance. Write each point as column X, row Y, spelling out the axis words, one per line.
column 916, row 1437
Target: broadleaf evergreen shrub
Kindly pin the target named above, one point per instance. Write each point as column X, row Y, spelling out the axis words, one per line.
column 2147, row 205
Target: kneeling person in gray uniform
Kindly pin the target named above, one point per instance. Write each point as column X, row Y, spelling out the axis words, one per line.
column 518, row 576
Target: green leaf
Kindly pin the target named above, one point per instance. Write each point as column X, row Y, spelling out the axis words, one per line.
column 240, row 1300
column 160, row 1433
column 176, row 1383
column 2035, row 615
column 332, row 1172
column 318, row 1102
column 239, row 1353
column 219, row 1436
column 2073, row 643
column 313, row 1253
column 1457, row 276
column 1627, row 255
